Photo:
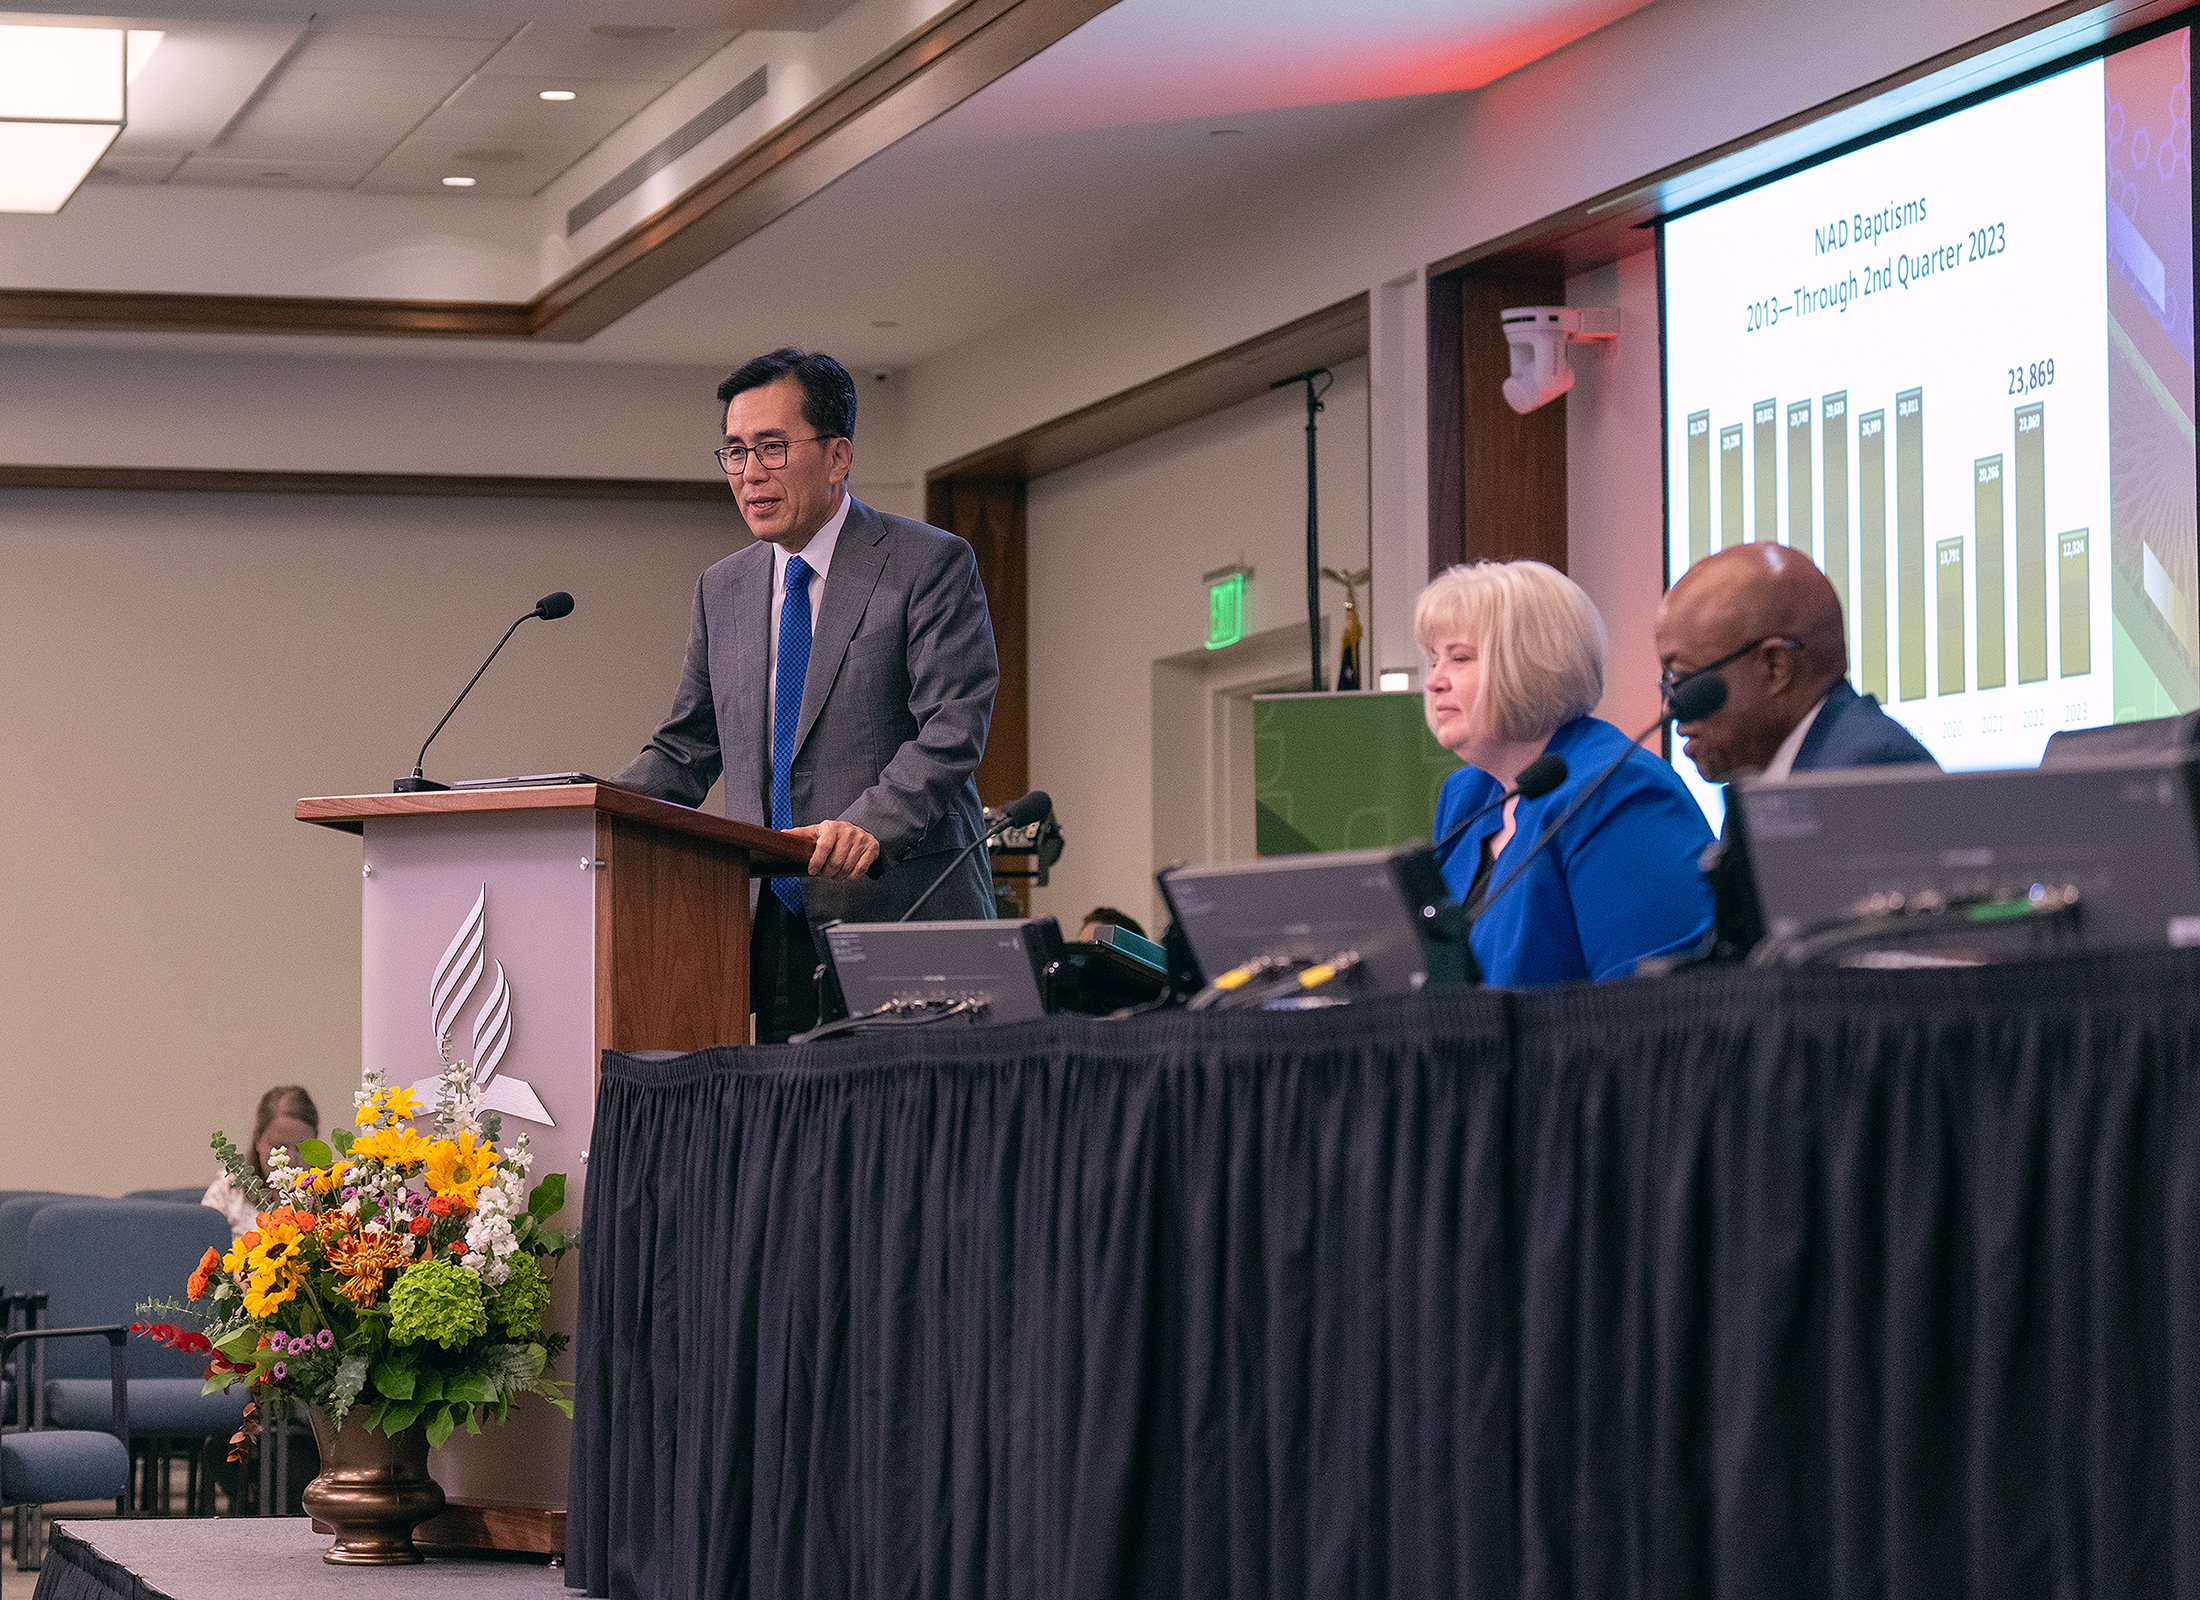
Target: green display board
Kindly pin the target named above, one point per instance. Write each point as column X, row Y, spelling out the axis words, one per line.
column 1343, row 771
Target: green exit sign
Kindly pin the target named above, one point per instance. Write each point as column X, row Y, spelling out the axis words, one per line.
column 1226, row 606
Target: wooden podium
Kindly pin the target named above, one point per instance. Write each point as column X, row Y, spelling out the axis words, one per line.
column 535, row 928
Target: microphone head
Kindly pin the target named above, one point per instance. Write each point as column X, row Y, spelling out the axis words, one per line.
column 1540, row 776
column 553, row 606
column 1033, row 807
column 1697, row 699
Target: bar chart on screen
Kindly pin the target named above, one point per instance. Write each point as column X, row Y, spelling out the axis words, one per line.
column 1899, row 363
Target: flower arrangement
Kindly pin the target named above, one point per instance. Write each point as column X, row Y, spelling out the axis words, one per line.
column 400, row 1273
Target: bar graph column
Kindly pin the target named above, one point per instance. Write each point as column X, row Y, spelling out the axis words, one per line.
column 1909, row 536
column 2030, row 468
column 1833, row 438
column 1871, row 555
column 1764, row 416
column 1993, row 647
column 2075, row 589
column 1699, row 486
column 1948, row 577
column 1730, row 486
column 1799, row 518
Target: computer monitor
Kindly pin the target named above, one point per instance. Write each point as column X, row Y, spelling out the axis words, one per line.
column 1388, row 908
column 2084, row 854
column 1002, row 966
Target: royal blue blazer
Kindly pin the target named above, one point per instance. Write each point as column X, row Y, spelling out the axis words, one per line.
column 1619, row 883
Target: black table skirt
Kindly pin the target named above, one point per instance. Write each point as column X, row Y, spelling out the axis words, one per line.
column 1778, row 1284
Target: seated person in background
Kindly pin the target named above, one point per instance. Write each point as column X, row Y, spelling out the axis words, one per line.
column 286, row 1119
column 1769, row 620
column 1107, row 917
column 1515, row 656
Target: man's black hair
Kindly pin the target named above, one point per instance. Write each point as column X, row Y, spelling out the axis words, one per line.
column 828, row 393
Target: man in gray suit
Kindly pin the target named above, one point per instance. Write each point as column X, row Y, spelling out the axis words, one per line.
column 1767, row 618
column 840, row 672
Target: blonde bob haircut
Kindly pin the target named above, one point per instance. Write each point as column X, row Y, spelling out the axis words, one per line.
column 1538, row 637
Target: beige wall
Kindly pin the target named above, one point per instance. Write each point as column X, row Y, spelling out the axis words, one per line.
column 1117, row 548
column 179, row 669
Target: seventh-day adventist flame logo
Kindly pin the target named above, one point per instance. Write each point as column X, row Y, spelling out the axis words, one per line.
column 456, row 977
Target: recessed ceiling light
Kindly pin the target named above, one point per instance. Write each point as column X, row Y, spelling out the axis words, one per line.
column 556, row 94
column 459, row 183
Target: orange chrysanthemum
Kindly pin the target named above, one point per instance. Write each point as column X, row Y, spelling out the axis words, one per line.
column 362, row 1259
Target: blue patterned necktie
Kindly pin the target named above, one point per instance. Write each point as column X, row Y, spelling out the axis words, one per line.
column 794, row 665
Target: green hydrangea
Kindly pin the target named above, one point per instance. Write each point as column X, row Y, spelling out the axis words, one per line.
column 519, row 1304
column 437, row 1301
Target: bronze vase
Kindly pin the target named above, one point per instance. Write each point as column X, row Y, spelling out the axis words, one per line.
column 374, row 1489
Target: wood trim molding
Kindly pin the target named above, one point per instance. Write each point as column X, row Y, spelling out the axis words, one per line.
column 110, row 310
column 199, row 480
column 929, row 72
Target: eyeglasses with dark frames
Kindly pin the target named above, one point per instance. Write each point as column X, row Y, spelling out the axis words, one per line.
column 1670, row 681
column 771, row 454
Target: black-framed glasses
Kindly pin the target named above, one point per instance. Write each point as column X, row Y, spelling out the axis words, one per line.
column 1670, row 681
column 770, row 453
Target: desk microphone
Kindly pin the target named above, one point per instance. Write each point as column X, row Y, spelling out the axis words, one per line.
column 1537, row 779
column 550, row 607
column 1033, row 807
column 1691, row 701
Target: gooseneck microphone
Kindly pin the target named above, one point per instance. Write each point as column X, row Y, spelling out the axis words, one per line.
column 1537, row 779
column 1033, row 807
column 550, row 607
column 1691, row 701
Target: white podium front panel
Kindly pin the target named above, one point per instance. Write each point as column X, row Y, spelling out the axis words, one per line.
column 488, row 921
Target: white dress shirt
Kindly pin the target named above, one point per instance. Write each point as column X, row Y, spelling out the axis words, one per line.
column 1783, row 759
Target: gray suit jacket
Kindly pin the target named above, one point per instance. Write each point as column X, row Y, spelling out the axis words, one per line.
column 895, row 706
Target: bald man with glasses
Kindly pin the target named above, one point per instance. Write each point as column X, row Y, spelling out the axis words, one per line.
column 1767, row 620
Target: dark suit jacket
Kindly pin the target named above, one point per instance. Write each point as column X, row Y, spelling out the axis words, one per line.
column 895, row 706
column 1851, row 731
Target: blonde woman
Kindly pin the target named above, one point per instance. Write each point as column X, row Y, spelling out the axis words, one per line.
column 1515, row 656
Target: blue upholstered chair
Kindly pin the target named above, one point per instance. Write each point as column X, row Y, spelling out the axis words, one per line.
column 96, row 1261
column 17, row 1207
column 174, row 1197
column 45, row 1466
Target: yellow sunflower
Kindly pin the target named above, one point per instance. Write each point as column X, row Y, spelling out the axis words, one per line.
column 457, row 1168
column 397, row 1104
column 395, row 1145
column 277, row 1264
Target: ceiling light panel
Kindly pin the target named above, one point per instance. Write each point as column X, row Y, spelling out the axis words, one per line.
column 61, row 104
column 42, row 163
column 61, row 74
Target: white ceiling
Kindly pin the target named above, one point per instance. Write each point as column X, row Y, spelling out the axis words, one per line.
column 1153, row 111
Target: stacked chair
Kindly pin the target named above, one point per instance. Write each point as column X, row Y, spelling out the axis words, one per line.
column 42, row 1466
column 84, row 1262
